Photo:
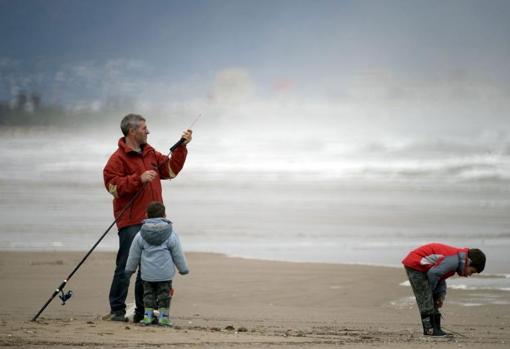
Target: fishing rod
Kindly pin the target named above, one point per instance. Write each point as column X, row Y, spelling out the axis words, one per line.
column 60, row 289
column 182, row 140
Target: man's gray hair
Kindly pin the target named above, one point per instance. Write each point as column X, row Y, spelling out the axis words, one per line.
column 130, row 121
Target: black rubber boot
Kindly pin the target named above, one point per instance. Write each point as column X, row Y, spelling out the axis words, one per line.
column 436, row 324
column 427, row 323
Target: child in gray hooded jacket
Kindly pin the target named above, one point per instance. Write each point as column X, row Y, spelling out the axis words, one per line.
column 157, row 249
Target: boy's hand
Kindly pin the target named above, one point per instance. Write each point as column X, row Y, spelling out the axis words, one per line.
column 439, row 302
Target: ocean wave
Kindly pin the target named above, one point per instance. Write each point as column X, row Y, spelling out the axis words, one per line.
column 384, row 160
column 439, row 147
column 399, row 159
column 494, row 282
column 473, row 288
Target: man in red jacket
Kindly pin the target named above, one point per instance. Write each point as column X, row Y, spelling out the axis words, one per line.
column 135, row 167
column 428, row 267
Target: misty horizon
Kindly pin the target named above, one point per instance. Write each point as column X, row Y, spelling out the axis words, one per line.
column 338, row 69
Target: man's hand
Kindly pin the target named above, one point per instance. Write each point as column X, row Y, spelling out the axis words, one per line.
column 148, row 176
column 187, row 136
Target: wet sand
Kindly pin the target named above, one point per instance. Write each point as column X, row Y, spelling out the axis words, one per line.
column 233, row 302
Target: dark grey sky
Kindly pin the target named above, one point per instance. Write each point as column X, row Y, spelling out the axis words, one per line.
column 451, row 55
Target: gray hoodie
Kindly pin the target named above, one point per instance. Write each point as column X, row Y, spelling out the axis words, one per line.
column 156, row 247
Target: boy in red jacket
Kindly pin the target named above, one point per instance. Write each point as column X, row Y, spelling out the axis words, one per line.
column 428, row 267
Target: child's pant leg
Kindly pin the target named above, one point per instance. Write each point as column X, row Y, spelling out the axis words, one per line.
column 164, row 289
column 422, row 292
column 149, row 294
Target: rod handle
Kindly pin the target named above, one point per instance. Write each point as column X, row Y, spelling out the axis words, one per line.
column 182, row 140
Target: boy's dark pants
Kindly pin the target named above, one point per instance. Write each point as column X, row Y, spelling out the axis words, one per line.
column 120, row 282
column 422, row 292
column 157, row 294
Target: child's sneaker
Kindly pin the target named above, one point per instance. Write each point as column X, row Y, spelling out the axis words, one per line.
column 148, row 317
column 165, row 322
column 163, row 319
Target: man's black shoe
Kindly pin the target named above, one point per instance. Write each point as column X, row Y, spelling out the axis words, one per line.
column 118, row 317
column 137, row 318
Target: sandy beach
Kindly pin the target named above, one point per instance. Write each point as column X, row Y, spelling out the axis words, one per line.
column 234, row 302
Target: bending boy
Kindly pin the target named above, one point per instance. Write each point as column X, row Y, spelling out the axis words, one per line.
column 428, row 267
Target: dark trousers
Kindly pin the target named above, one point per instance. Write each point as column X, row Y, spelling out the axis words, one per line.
column 120, row 282
column 157, row 294
column 422, row 292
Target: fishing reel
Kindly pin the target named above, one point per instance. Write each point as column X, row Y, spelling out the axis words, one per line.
column 64, row 297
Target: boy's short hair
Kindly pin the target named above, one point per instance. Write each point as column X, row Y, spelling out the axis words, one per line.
column 477, row 258
column 156, row 210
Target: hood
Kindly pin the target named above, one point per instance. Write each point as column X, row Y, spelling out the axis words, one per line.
column 155, row 231
column 461, row 270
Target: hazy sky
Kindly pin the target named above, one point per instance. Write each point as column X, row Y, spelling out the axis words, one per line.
column 402, row 60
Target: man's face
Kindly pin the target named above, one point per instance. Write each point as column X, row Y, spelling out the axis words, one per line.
column 140, row 133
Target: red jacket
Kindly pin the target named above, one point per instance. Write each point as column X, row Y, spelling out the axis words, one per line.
column 122, row 179
column 437, row 256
